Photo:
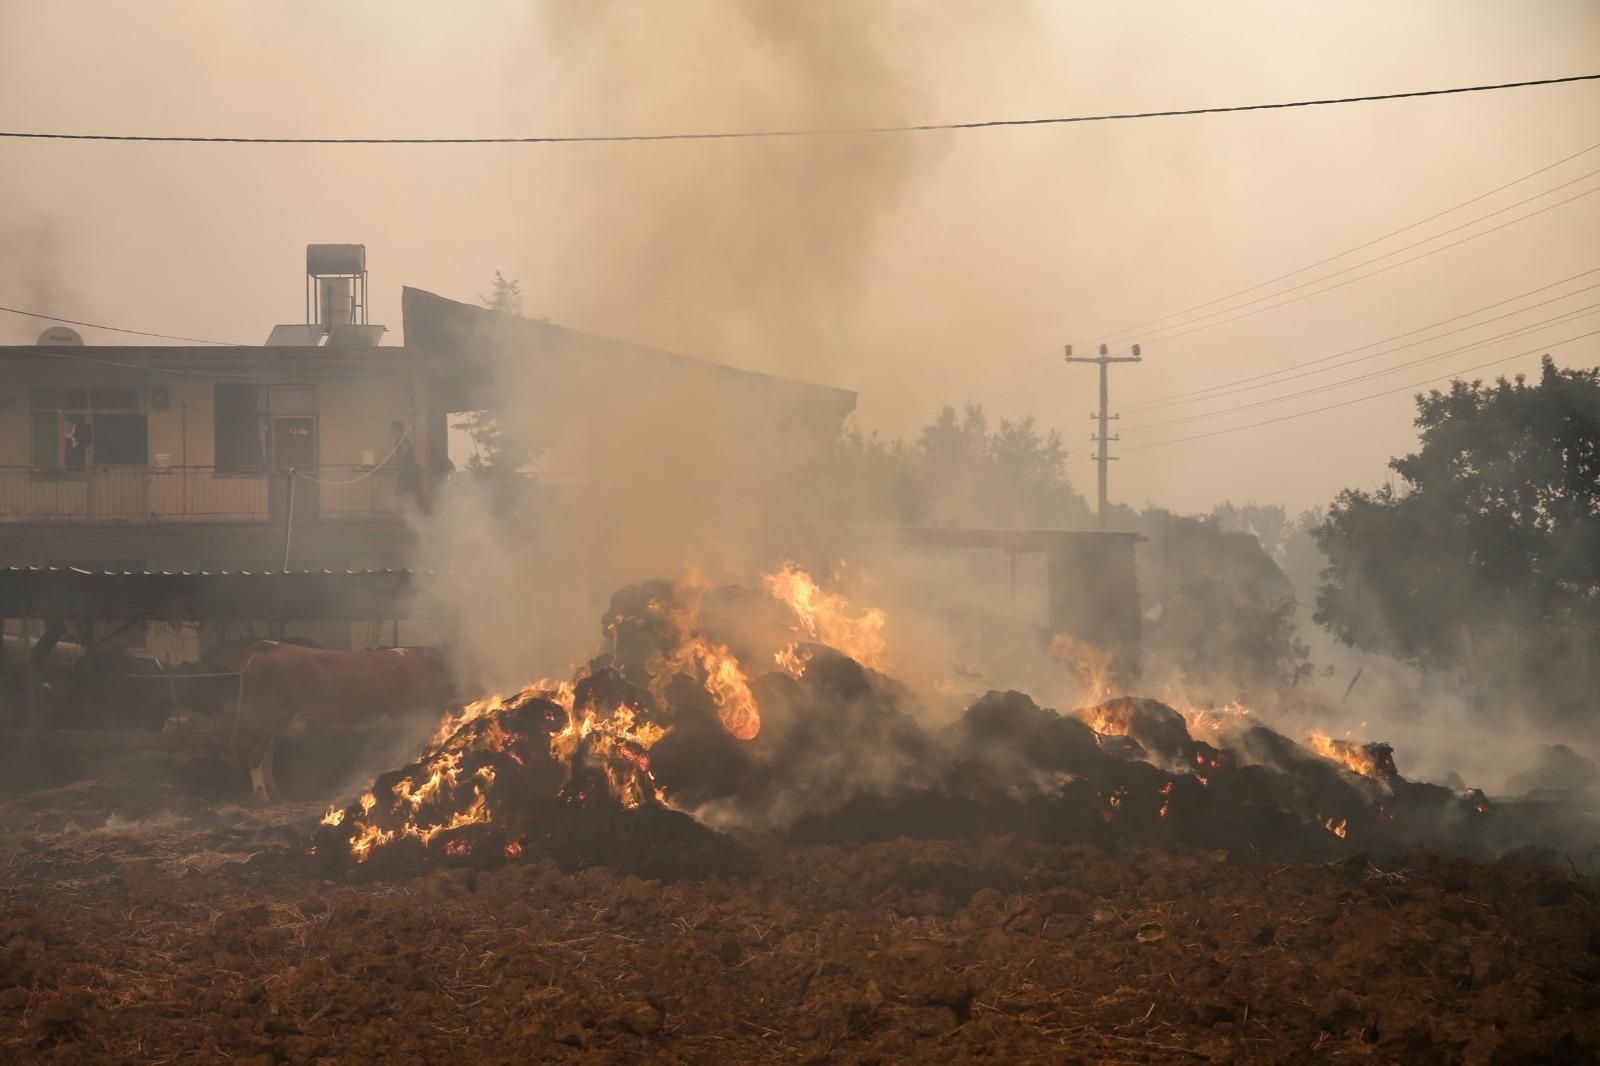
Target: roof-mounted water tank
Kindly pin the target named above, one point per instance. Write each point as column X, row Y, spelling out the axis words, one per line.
column 336, row 285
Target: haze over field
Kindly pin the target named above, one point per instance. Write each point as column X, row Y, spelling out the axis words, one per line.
column 918, row 269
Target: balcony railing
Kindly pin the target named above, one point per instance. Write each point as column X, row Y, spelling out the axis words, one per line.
column 151, row 494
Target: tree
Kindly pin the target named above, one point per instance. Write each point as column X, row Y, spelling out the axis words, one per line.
column 1487, row 558
column 507, row 296
column 489, row 453
column 959, row 471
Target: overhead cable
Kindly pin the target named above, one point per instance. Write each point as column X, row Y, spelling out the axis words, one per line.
column 1038, row 378
column 1282, row 374
column 1362, row 246
column 1329, row 386
column 45, row 353
column 727, row 135
column 1002, row 383
column 118, row 329
column 1543, row 348
column 1381, row 270
column 1385, row 255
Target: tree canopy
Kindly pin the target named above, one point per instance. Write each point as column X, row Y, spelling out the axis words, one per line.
column 1487, row 556
column 960, row 470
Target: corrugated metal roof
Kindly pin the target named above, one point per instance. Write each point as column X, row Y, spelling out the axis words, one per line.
column 205, row 595
column 201, row 573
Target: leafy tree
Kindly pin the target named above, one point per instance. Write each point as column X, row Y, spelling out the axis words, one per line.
column 876, row 480
column 1487, row 558
column 489, row 454
column 507, row 296
column 1268, row 523
column 959, row 471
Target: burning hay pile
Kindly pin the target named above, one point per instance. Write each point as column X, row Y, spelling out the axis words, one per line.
column 1015, row 884
column 769, row 709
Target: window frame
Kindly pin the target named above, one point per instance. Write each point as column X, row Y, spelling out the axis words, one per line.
column 265, row 412
column 81, row 405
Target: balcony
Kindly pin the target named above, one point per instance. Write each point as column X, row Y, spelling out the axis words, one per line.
column 175, row 494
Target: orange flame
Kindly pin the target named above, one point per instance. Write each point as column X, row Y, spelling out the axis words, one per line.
column 729, row 688
column 827, row 617
column 1109, row 721
column 1352, row 757
column 793, row 660
column 442, row 793
column 1088, row 664
column 1212, row 720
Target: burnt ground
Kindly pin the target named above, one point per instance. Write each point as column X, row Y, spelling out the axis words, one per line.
column 147, row 915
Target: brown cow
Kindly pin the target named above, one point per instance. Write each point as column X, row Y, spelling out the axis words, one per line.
column 285, row 689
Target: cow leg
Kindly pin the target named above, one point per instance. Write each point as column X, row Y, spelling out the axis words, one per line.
column 262, row 781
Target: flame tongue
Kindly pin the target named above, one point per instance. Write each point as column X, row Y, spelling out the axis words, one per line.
column 827, row 618
column 1369, row 760
column 494, row 768
column 725, row 681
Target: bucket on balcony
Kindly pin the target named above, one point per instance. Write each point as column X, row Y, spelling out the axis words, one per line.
column 161, row 460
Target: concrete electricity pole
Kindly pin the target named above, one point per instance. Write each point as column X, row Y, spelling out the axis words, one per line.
column 1102, row 458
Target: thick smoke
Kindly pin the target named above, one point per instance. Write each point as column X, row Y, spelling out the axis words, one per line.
column 757, row 253
column 1438, row 720
column 754, row 252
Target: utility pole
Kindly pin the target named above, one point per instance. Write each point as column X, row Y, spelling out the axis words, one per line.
column 1102, row 439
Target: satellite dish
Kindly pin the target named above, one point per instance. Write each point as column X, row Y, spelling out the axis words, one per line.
column 58, row 335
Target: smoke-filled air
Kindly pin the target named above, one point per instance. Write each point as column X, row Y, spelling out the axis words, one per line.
column 764, row 531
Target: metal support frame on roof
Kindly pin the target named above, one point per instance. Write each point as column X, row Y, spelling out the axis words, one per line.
column 327, row 265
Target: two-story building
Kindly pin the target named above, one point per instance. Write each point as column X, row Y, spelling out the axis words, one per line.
column 307, row 452
column 192, row 458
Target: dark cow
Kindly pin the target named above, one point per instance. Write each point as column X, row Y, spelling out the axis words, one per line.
column 285, row 689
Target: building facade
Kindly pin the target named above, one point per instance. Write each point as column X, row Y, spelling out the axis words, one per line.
column 212, row 458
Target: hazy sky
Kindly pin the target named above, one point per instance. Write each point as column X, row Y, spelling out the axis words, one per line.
column 918, row 269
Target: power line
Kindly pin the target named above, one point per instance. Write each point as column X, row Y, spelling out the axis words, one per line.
column 1381, row 270
column 1359, row 399
column 727, row 135
column 118, row 329
column 179, row 371
column 1348, row 281
column 1001, row 383
column 1282, row 374
column 1363, row 245
column 1520, row 331
column 1007, row 391
column 1403, row 248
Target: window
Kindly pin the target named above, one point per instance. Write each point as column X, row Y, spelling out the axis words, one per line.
column 241, row 427
column 244, row 423
column 75, row 428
